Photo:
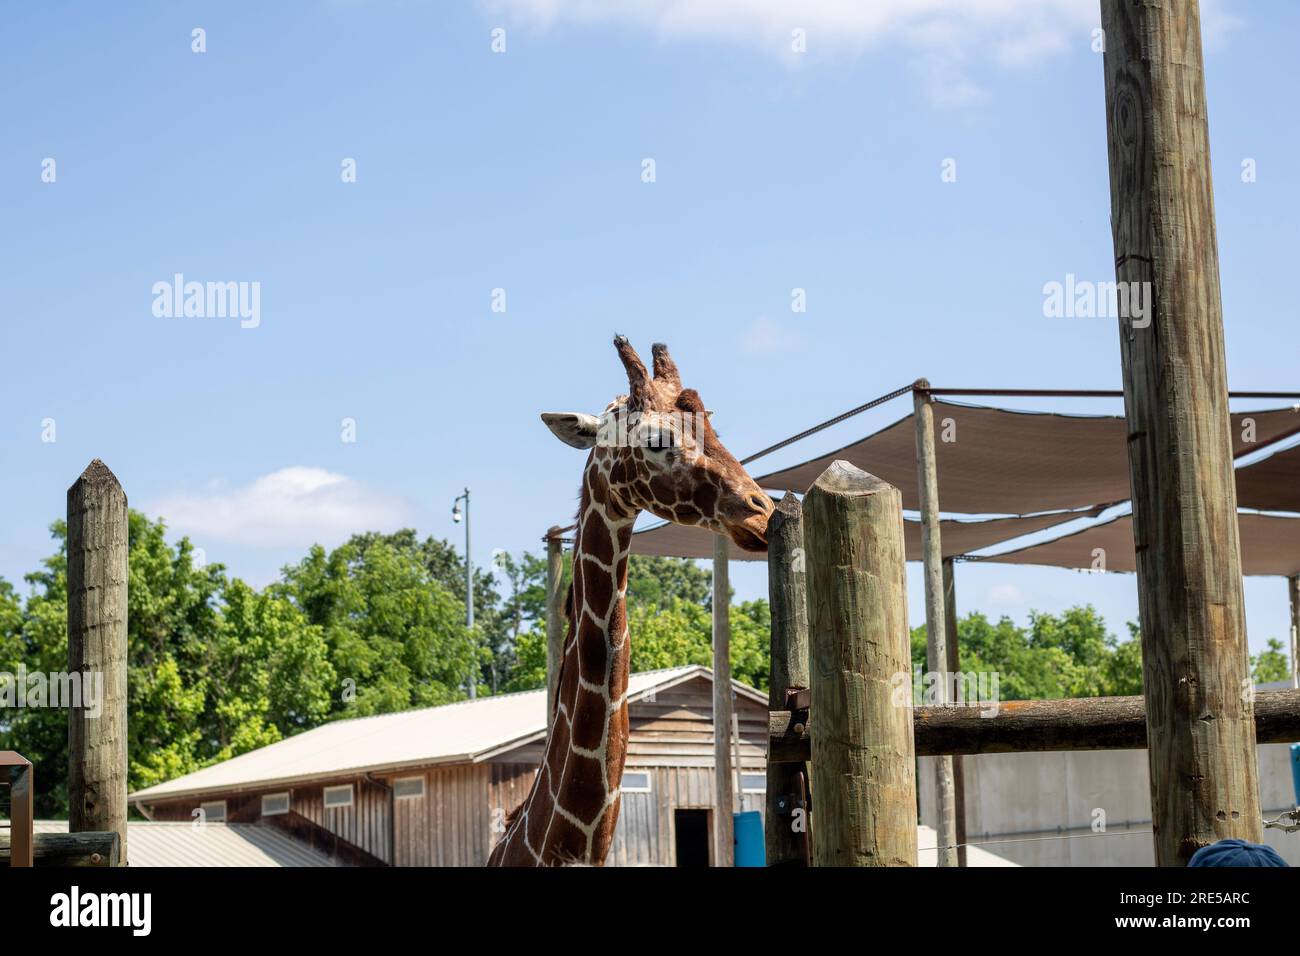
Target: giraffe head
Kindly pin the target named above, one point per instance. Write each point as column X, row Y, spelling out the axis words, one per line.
column 656, row 450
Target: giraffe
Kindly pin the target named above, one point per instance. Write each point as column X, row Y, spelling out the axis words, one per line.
column 655, row 450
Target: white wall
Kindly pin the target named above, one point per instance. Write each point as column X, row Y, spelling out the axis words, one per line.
column 1013, row 797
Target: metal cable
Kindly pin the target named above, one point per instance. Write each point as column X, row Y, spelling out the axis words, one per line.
column 827, row 424
column 1067, row 836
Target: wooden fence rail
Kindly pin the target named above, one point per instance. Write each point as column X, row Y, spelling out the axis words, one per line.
column 91, row 848
column 1023, row 726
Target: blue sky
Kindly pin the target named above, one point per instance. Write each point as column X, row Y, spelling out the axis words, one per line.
column 522, row 171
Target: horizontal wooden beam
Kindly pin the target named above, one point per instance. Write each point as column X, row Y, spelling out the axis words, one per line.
column 1021, row 726
column 91, row 848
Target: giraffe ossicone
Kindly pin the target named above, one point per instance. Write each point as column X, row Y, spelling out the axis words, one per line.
column 653, row 449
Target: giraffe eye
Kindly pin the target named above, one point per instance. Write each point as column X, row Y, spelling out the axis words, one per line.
column 661, row 440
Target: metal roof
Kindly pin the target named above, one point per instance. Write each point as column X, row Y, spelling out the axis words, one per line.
column 212, row 844
column 468, row 731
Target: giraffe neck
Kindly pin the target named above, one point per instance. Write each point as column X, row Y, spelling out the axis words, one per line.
column 570, row 813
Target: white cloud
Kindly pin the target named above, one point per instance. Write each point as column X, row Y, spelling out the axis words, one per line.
column 1006, row 595
column 954, row 33
column 292, row 507
column 944, row 39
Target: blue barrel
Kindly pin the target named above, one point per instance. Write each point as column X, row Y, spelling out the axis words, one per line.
column 1295, row 771
column 750, row 849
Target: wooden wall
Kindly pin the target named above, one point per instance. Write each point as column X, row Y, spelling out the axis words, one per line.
column 676, row 729
column 364, row 824
column 464, row 806
column 451, row 824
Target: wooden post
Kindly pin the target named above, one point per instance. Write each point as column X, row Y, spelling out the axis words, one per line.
column 555, row 626
column 738, row 775
column 1293, row 590
column 786, row 832
column 1204, row 779
column 954, row 667
column 724, row 824
column 936, row 634
column 864, row 786
column 97, row 644
column 17, row 773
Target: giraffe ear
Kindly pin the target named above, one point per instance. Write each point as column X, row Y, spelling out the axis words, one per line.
column 573, row 428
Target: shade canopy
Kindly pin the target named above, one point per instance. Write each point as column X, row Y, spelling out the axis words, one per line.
column 1270, row 544
column 998, row 461
column 957, row 537
column 1272, row 483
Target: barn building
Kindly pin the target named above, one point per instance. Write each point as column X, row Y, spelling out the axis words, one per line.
column 431, row 787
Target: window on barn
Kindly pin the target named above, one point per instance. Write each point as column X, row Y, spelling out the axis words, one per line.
column 408, row 787
column 636, row 781
column 274, row 804
column 214, row 812
column 753, row 783
column 340, row 796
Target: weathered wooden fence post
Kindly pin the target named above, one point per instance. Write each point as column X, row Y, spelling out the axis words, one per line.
column 1201, row 731
column 864, row 787
column 787, row 833
column 17, row 773
column 97, row 648
column 936, row 632
column 724, row 824
column 555, row 629
column 954, row 668
column 1293, row 591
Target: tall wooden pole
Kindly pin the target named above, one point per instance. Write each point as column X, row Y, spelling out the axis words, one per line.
column 786, row 825
column 1196, row 675
column 1293, row 590
column 936, row 634
column 555, row 627
column 864, row 785
column 954, row 667
column 724, row 848
column 97, row 647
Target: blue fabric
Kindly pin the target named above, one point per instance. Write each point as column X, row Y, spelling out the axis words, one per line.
column 1236, row 853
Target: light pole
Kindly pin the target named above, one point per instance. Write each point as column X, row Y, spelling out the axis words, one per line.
column 456, row 515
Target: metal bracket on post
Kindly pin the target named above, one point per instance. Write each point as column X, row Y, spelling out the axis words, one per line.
column 798, row 700
column 1293, row 826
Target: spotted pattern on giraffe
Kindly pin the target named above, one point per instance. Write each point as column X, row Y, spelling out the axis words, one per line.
column 571, row 810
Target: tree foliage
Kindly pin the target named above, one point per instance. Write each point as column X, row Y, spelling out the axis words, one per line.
column 1066, row 655
column 218, row 668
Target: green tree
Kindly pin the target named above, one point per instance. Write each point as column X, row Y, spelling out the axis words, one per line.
column 396, row 637
column 1063, row 655
column 446, row 567
column 1270, row 664
column 657, row 582
column 523, row 608
column 213, row 668
column 682, row 634
column 529, row 669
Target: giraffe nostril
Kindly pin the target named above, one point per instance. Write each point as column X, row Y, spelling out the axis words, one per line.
column 760, row 502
